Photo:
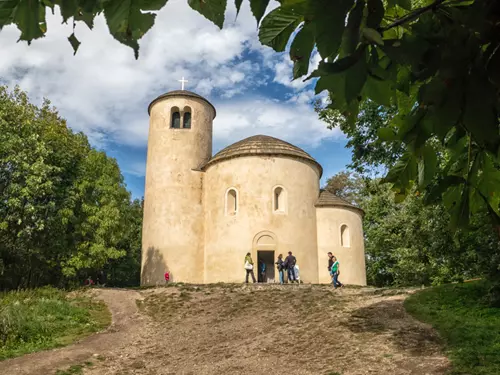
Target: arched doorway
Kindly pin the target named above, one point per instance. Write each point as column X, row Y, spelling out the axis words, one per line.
column 265, row 247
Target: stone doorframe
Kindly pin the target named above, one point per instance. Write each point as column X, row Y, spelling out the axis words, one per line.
column 264, row 240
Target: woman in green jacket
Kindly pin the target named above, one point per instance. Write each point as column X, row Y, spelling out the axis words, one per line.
column 249, row 267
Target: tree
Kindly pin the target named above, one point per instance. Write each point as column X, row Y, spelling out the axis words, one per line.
column 347, row 186
column 411, row 244
column 370, row 155
column 65, row 211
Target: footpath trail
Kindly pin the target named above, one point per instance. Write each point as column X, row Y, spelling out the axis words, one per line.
column 254, row 329
column 126, row 322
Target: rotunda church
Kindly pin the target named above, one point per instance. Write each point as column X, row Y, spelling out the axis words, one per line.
column 203, row 213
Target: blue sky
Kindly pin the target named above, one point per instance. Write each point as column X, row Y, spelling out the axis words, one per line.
column 104, row 92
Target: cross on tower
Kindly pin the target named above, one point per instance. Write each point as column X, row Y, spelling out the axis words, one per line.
column 182, row 81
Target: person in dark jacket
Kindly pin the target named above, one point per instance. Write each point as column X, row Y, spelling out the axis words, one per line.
column 281, row 268
column 289, row 264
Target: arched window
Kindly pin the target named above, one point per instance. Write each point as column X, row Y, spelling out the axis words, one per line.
column 231, row 202
column 279, row 199
column 175, row 121
column 345, row 238
column 186, row 120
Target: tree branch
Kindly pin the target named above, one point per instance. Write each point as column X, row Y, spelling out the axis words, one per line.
column 413, row 15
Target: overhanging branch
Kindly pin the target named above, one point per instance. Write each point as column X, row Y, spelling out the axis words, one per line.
column 412, row 16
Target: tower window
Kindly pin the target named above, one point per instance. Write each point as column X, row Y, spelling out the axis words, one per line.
column 186, row 121
column 175, row 121
column 279, row 199
column 345, row 239
column 231, row 202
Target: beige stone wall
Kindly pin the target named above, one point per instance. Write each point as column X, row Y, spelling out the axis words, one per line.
column 173, row 229
column 255, row 226
column 352, row 258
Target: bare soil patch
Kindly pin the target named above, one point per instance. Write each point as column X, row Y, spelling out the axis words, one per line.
column 259, row 329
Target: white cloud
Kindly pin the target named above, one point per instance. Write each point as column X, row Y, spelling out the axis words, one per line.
column 292, row 121
column 104, row 91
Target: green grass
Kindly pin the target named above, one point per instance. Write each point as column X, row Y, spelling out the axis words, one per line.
column 471, row 328
column 45, row 318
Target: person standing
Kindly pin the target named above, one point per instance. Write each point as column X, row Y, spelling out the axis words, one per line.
column 249, row 268
column 280, row 265
column 290, row 261
column 262, row 269
column 297, row 273
column 330, row 262
column 335, row 272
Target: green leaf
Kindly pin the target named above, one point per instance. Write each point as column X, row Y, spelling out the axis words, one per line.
column 7, row 9
column 387, row 134
column 405, row 4
column 435, row 193
column 488, row 182
column 238, row 3
column 339, row 65
column 301, row 49
column 355, row 78
column 68, row 8
column 375, row 13
column 277, row 26
column 75, row 43
column 329, row 23
column 403, row 173
column 212, row 10
column 480, row 117
column 350, row 39
column 427, row 165
column 373, row 36
column 258, row 8
column 128, row 23
column 456, row 199
column 28, row 15
column 379, row 91
column 493, row 66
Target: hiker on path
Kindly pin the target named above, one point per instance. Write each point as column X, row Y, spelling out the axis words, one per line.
column 335, row 272
column 281, row 268
column 290, row 262
column 249, row 267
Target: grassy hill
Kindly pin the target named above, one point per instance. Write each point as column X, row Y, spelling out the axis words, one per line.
column 471, row 328
column 45, row 318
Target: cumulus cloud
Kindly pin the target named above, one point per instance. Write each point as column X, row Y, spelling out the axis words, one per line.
column 104, row 91
column 293, row 121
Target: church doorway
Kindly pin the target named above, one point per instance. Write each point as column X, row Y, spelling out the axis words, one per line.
column 266, row 257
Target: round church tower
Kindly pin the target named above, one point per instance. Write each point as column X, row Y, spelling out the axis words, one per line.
column 180, row 141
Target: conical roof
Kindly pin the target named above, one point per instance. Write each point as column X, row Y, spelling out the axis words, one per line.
column 327, row 199
column 263, row 145
column 180, row 93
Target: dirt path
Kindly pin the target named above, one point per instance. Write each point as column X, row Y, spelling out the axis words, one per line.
column 126, row 322
column 234, row 329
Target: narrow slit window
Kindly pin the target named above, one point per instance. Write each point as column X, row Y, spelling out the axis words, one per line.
column 176, row 119
column 231, row 202
column 187, row 120
column 345, row 239
column 279, row 199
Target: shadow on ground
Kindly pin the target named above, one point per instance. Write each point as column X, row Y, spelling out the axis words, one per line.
column 389, row 317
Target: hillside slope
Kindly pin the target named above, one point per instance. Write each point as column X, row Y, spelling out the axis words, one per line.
column 263, row 329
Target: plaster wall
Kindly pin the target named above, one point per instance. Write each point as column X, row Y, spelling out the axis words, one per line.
column 256, row 226
column 173, row 231
column 352, row 258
